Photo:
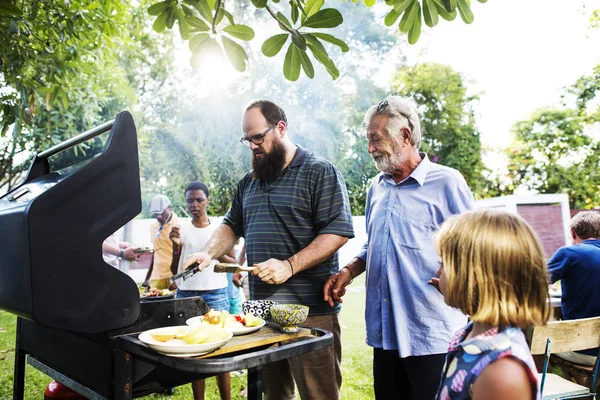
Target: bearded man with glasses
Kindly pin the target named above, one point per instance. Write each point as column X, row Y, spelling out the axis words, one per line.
column 408, row 323
column 293, row 211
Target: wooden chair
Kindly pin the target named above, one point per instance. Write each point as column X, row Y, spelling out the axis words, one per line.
column 563, row 336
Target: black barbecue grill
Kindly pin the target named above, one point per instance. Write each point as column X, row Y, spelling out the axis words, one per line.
column 79, row 318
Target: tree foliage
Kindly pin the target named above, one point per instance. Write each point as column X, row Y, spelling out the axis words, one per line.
column 447, row 113
column 67, row 66
column 555, row 153
column 210, row 28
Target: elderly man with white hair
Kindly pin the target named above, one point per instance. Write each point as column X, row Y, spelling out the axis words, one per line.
column 408, row 323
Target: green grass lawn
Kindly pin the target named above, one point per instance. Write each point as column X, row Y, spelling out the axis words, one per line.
column 357, row 365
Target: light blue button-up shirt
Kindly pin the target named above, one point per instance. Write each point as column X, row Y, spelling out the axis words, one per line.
column 402, row 312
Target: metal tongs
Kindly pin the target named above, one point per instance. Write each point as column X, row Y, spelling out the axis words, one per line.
column 188, row 273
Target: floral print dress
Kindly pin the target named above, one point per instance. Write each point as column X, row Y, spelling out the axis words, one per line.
column 466, row 359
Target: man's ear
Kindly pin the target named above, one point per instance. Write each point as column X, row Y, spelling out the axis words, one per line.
column 281, row 128
column 407, row 135
column 574, row 236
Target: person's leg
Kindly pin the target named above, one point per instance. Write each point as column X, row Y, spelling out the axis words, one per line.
column 224, row 384
column 318, row 374
column 390, row 379
column 198, row 389
column 424, row 374
column 278, row 382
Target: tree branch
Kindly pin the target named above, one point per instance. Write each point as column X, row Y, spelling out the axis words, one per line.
column 281, row 23
column 214, row 21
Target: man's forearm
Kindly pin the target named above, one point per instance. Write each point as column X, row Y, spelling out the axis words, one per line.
column 221, row 242
column 357, row 266
column 319, row 250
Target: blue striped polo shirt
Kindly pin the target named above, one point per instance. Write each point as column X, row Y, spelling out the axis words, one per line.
column 277, row 220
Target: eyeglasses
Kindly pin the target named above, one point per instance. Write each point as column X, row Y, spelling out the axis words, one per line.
column 384, row 104
column 256, row 139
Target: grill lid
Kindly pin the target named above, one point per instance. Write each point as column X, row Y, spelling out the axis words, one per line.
column 53, row 228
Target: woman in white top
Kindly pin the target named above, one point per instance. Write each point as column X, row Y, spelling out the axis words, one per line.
column 211, row 286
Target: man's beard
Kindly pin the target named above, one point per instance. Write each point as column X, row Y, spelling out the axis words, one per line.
column 390, row 163
column 267, row 168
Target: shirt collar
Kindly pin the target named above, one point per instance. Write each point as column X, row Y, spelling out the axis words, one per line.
column 419, row 174
column 299, row 157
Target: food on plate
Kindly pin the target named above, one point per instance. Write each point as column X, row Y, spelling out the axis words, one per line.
column 223, row 319
column 164, row 335
column 154, row 292
column 182, row 331
column 251, row 320
column 197, row 335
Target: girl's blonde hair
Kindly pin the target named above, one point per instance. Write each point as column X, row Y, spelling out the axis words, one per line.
column 495, row 268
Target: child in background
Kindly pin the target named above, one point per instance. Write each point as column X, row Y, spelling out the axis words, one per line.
column 492, row 268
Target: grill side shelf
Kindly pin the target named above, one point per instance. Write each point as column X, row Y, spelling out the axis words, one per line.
column 241, row 352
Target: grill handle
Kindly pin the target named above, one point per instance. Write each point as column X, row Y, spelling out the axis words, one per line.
column 40, row 167
column 74, row 141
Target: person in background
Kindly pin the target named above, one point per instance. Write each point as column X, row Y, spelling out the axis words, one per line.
column 293, row 211
column 578, row 268
column 408, row 324
column 114, row 250
column 207, row 284
column 160, row 267
column 492, row 268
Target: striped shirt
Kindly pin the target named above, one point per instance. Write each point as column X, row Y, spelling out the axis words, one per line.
column 277, row 220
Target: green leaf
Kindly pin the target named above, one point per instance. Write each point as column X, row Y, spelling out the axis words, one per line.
column 204, row 10
column 273, row 45
column 409, row 17
column 154, row 9
column 465, row 11
column 430, row 14
column 333, row 40
column 241, row 32
column 318, row 50
column 415, row 31
column 291, row 64
column 197, row 24
column 295, row 12
column 370, row 3
column 298, row 40
column 402, row 5
column 235, row 53
column 448, row 16
column 197, row 41
column 171, row 17
column 7, row 8
column 220, row 15
column 212, row 4
column 259, row 3
column 307, row 66
column 283, row 18
column 229, row 16
column 391, row 18
column 327, row 18
column 160, row 24
column 449, row 5
column 312, row 7
column 184, row 27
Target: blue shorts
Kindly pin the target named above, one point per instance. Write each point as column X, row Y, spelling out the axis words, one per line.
column 216, row 299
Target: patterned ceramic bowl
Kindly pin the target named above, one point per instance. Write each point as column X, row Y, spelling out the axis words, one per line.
column 259, row 308
column 289, row 316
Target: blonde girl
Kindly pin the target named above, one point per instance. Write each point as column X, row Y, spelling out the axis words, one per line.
column 492, row 269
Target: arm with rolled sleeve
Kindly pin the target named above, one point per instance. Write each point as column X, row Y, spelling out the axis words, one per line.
column 333, row 220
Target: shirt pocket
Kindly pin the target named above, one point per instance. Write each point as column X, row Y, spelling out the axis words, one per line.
column 413, row 229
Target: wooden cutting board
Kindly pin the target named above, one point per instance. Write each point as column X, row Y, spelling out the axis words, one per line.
column 267, row 335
